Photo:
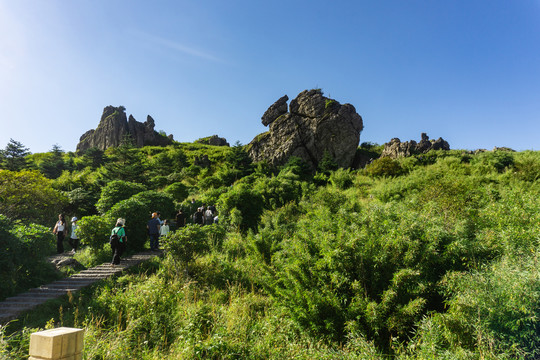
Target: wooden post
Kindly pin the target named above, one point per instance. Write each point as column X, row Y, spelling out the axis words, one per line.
column 57, row 344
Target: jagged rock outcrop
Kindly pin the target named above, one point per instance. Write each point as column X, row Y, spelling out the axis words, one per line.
column 396, row 149
column 114, row 127
column 313, row 126
column 213, row 140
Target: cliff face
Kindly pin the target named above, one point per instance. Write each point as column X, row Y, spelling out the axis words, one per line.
column 114, row 126
column 313, row 126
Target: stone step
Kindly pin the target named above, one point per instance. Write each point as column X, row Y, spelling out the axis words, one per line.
column 12, row 307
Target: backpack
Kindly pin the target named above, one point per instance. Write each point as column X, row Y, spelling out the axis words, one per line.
column 114, row 239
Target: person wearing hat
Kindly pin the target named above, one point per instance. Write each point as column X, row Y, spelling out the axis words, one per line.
column 153, row 226
column 118, row 241
column 74, row 238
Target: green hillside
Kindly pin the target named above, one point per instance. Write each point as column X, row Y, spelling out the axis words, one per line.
column 433, row 256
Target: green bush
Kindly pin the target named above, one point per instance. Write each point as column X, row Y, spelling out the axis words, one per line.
column 341, row 179
column 384, row 167
column 116, row 191
column 279, row 190
column 137, row 210
column 185, row 244
column 30, row 197
column 247, row 202
column 23, row 261
column 94, row 231
column 178, row 191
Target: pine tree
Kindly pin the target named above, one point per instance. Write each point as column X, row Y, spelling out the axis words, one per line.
column 13, row 157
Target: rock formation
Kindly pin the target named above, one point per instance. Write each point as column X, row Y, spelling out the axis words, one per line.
column 313, row 126
column 114, row 127
column 396, row 149
column 213, row 140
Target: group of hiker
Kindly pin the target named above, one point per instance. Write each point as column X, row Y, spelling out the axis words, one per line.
column 156, row 228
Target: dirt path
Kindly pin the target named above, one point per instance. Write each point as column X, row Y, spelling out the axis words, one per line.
column 12, row 307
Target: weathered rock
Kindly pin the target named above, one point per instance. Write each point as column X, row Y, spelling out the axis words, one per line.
column 114, row 127
column 213, row 140
column 396, row 149
column 276, row 110
column 313, row 126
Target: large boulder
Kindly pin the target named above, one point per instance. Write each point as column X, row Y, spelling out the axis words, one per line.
column 396, row 149
column 313, row 126
column 114, row 127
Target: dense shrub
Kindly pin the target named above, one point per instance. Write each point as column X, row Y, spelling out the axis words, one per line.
column 178, row 191
column 22, row 259
column 116, row 191
column 279, row 190
column 184, row 244
column 137, row 210
column 94, row 230
column 29, row 196
column 241, row 205
column 384, row 167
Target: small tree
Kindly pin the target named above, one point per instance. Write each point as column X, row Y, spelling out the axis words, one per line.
column 184, row 245
column 116, row 191
column 13, row 157
column 94, row 231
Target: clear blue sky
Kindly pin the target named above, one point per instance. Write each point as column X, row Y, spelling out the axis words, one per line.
column 464, row 70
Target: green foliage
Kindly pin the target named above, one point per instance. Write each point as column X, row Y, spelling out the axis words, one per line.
column 242, row 205
column 185, row 244
column 279, row 190
column 341, row 179
column 116, row 191
column 53, row 164
column 298, row 167
column 94, row 231
column 178, row 191
column 136, row 211
column 13, row 157
column 28, row 196
column 527, row 166
column 93, row 157
column 125, row 162
column 497, row 160
column 384, row 167
column 438, row 262
column 22, row 262
column 239, row 159
column 327, row 164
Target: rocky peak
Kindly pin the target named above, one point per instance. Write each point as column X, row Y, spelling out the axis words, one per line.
column 213, row 140
column 114, row 126
column 313, row 126
column 396, row 149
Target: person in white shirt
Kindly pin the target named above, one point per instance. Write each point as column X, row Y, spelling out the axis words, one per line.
column 60, row 230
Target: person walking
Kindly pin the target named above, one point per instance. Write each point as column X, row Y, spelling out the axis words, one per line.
column 153, row 232
column 208, row 216
column 60, row 230
column 180, row 219
column 74, row 238
column 118, row 241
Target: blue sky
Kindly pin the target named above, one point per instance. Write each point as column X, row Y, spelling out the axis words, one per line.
column 465, row 70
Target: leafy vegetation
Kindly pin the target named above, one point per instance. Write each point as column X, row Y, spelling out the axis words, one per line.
column 430, row 256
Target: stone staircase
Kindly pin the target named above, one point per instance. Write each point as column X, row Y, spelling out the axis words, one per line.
column 12, row 307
